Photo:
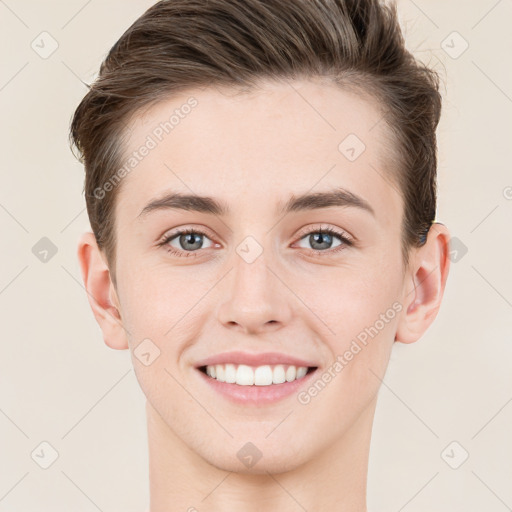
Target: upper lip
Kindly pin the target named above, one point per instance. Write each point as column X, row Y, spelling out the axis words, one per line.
column 254, row 359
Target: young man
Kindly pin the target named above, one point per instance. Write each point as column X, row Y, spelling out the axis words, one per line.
column 260, row 180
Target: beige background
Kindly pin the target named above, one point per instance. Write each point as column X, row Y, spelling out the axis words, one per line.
column 60, row 384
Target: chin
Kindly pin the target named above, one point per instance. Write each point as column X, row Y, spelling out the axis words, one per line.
column 264, row 460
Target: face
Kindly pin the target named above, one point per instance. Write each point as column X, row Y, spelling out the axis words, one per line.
column 264, row 277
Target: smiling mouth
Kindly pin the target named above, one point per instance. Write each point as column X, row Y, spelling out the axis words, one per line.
column 265, row 375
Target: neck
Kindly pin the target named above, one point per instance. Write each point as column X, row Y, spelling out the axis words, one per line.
column 181, row 480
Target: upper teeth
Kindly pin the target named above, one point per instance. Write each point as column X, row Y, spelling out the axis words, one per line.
column 244, row 375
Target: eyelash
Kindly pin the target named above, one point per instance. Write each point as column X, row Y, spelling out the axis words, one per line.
column 346, row 242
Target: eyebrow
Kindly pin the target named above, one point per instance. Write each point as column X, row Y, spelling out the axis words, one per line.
column 309, row 201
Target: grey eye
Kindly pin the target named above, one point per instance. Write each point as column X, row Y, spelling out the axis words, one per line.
column 321, row 240
column 188, row 241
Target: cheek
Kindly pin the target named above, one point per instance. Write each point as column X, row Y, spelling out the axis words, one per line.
column 361, row 311
column 158, row 313
column 361, row 315
column 156, row 298
column 350, row 300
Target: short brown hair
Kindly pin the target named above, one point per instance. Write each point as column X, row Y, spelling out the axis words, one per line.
column 180, row 44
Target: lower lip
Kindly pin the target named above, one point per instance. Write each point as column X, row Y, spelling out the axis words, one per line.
column 256, row 395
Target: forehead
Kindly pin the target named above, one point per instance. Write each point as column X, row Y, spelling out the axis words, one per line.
column 252, row 148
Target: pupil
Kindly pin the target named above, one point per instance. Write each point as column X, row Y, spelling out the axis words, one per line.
column 319, row 238
column 189, row 239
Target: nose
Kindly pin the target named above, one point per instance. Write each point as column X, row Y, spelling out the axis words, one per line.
column 253, row 297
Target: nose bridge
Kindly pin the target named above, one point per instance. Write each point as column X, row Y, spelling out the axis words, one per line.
column 251, row 263
column 253, row 297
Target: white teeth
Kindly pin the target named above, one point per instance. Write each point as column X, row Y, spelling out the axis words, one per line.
column 291, row 373
column 219, row 372
column 301, row 372
column 265, row 375
column 279, row 375
column 244, row 375
column 230, row 373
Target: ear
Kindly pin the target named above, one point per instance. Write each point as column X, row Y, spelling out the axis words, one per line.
column 101, row 292
column 428, row 273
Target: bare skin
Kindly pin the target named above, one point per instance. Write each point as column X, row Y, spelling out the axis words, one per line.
column 253, row 152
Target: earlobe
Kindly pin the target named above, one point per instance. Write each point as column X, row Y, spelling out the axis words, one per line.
column 101, row 293
column 429, row 272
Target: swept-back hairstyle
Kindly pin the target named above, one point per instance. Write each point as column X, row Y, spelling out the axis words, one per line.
column 180, row 44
